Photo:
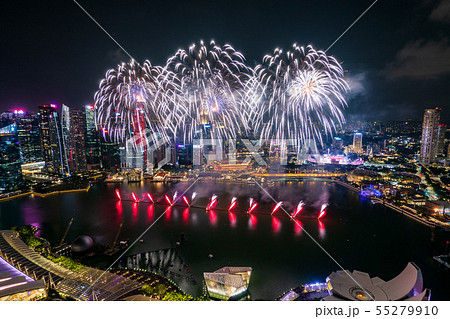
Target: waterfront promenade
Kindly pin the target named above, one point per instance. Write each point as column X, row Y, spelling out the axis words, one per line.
column 4, row 199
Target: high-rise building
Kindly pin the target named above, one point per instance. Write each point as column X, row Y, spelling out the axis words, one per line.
column 10, row 158
column 66, row 136
column 184, row 154
column 430, row 132
column 29, row 138
column 27, row 133
column 77, row 153
column 357, row 143
column 110, row 153
column 52, row 141
column 134, row 153
column 132, row 157
column 93, row 147
column 441, row 139
column 338, row 143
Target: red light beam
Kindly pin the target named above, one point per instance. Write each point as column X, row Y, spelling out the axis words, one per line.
column 168, row 200
column 119, row 197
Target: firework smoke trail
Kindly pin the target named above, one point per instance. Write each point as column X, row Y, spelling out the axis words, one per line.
column 175, row 196
column 208, row 84
column 130, row 98
column 212, row 202
column 322, row 211
column 193, row 197
column 233, row 203
column 277, row 206
column 298, row 209
column 304, row 90
column 252, row 205
column 168, row 200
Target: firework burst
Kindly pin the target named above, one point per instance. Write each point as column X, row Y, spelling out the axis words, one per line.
column 303, row 91
column 208, row 84
column 130, row 100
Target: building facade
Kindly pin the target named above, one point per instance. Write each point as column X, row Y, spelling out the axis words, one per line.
column 52, row 149
column 92, row 139
column 29, row 138
column 10, row 158
column 442, row 129
column 357, row 143
column 27, row 133
column 77, row 153
column 430, row 135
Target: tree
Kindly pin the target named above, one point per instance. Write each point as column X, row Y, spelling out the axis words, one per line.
column 161, row 289
column 203, row 297
column 148, row 290
column 177, row 296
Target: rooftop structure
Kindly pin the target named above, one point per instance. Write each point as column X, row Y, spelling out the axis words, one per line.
column 94, row 284
column 359, row 286
column 228, row 282
column 83, row 284
column 15, row 285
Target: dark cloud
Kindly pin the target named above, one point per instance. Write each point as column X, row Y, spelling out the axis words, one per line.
column 358, row 85
column 386, row 112
column 441, row 12
column 420, row 60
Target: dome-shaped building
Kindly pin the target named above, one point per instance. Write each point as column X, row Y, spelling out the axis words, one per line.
column 82, row 244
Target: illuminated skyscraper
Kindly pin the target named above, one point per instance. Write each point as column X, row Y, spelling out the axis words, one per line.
column 66, row 137
column 110, row 153
column 77, row 153
column 93, row 147
column 10, row 159
column 441, row 139
column 134, row 152
column 430, row 132
column 51, row 140
column 29, row 138
column 27, row 133
column 357, row 142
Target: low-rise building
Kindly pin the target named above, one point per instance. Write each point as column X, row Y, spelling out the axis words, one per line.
column 228, row 282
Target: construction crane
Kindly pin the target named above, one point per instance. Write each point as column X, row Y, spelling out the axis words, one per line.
column 117, row 236
column 67, row 230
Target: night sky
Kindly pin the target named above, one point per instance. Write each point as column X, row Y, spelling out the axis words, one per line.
column 397, row 57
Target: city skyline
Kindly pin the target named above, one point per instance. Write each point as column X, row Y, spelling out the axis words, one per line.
column 226, row 150
column 415, row 53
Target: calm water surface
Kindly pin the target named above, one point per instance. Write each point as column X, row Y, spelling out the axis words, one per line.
column 358, row 234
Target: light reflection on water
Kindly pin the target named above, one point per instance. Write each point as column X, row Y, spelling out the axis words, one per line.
column 354, row 231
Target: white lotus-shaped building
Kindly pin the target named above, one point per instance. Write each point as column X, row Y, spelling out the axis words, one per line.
column 357, row 285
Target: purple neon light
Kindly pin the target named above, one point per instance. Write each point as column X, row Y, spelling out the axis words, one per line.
column 13, row 272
